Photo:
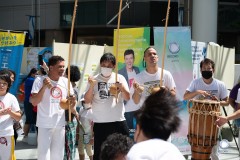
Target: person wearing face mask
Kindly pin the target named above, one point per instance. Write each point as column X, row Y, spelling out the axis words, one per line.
column 209, row 88
column 156, row 120
column 206, row 87
column 108, row 108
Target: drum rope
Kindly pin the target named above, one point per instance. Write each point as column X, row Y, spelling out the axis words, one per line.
column 202, row 110
column 198, row 112
column 204, row 127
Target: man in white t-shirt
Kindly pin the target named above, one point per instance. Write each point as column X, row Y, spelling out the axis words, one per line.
column 47, row 92
column 108, row 108
column 207, row 87
column 156, row 120
column 149, row 79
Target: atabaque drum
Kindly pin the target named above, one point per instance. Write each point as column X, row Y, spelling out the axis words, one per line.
column 202, row 131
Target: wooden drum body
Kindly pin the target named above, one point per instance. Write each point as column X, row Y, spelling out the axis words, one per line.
column 202, row 131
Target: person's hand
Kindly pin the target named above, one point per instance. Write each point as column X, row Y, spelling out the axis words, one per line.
column 221, row 121
column 92, row 81
column 5, row 111
column 47, row 82
column 44, row 66
column 119, row 86
column 204, row 93
column 214, row 97
column 72, row 100
column 139, row 89
column 91, row 141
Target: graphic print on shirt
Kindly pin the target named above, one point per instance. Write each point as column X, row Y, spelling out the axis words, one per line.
column 148, row 86
column 103, row 90
column 56, row 94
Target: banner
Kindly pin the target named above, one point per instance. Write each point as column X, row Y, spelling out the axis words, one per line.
column 224, row 59
column 31, row 25
column 32, row 56
column 198, row 54
column 86, row 57
column 11, row 49
column 133, row 41
column 137, row 39
column 178, row 60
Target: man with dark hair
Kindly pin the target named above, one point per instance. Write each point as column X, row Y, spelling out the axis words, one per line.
column 207, row 88
column 47, row 93
column 108, row 109
column 129, row 71
column 149, row 79
column 116, row 147
column 156, row 120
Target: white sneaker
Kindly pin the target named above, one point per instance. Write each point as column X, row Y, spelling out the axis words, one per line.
column 25, row 139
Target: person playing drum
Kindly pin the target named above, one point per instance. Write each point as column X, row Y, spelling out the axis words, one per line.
column 207, row 88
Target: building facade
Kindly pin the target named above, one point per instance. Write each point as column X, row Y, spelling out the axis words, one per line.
column 97, row 19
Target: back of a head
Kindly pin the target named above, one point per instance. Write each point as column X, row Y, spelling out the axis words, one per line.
column 75, row 74
column 158, row 117
column 116, row 145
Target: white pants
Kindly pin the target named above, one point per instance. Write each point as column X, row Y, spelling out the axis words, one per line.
column 51, row 143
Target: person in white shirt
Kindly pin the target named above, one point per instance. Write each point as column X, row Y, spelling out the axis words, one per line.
column 47, row 93
column 156, row 120
column 9, row 111
column 149, row 79
column 207, row 87
column 107, row 106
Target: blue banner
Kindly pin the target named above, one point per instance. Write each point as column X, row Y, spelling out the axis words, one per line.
column 11, row 50
column 178, row 60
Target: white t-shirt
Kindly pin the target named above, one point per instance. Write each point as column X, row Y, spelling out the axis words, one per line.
column 154, row 149
column 104, row 106
column 6, row 122
column 238, row 96
column 216, row 88
column 149, row 81
column 50, row 114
